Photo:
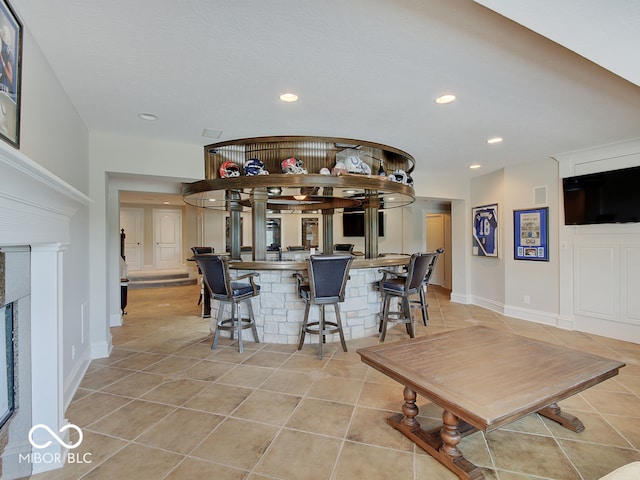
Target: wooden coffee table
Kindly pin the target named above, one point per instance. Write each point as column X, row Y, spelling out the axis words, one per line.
column 483, row 379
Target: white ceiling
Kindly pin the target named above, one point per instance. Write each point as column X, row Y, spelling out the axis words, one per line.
column 364, row 69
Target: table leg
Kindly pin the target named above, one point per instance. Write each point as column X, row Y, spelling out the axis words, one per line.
column 554, row 412
column 441, row 443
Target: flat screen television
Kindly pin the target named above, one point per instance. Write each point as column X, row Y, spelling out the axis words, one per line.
column 604, row 197
column 353, row 224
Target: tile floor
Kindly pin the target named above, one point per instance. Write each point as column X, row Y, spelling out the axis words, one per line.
column 164, row 406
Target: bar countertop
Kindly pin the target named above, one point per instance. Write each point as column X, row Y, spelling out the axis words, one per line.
column 387, row 260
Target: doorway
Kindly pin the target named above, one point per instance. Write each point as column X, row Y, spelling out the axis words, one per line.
column 438, row 235
column 132, row 222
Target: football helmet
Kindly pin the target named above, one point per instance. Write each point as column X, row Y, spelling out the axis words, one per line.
column 355, row 165
column 229, row 169
column 293, row 165
column 339, row 169
column 254, row 166
column 401, row 176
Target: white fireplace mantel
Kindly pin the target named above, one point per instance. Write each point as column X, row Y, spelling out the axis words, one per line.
column 36, row 208
column 35, row 205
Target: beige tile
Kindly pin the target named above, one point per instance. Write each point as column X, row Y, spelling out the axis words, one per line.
column 193, row 468
column 596, row 430
column 355, row 370
column 131, row 420
column 268, row 407
column 594, row 461
column 530, row 455
column 629, row 428
column 321, row 416
column 209, row 371
column 370, row 426
column 136, row 461
column 288, row 381
column 611, row 402
column 93, row 407
column 218, row 398
column 357, row 460
column 297, row 455
column 135, row 385
column 104, row 376
column 267, row 359
column 93, row 450
column 246, row 376
column 139, row 361
column 305, row 362
column 236, row 443
column 176, row 392
column 180, row 431
column 384, row 396
column 336, row 389
column 171, row 365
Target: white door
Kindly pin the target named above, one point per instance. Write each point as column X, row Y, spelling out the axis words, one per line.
column 435, row 240
column 167, row 239
column 131, row 220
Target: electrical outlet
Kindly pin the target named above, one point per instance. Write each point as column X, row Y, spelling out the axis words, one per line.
column 527, row 299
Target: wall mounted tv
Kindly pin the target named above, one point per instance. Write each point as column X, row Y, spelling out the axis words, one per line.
column 605, row 197
column 353, row 223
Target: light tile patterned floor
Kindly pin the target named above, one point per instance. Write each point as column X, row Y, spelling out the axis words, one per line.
column 164, row 406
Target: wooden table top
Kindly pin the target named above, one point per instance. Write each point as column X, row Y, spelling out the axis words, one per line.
column 488, row 377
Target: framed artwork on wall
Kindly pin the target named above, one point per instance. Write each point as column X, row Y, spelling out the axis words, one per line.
column 10, row 74
column 531, row 234
column 485, row 231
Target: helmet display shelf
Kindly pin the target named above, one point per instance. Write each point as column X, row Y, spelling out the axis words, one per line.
column 312, row 182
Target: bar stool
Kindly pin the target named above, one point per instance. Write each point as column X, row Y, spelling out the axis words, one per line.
column 401, row 285
column 228, row 290
column 326, row 284
column 203, row 299
column 425, row 284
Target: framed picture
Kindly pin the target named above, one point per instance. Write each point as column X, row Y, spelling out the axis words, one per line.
column 10, row 74
column 531, row 234
column 485, row 231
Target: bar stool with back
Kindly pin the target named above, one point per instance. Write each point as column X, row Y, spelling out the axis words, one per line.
column 228, row 290
column 326, row 285
column 203, row 299
column 401, row 285
column 425, row 284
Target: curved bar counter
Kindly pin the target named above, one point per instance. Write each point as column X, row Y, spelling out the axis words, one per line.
column 279, row 311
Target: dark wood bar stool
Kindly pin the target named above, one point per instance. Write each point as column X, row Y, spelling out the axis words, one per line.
column 228, row 290
column 400, row 285
column 325, row 285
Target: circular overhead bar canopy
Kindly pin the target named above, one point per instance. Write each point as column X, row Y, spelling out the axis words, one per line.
column 299, row 191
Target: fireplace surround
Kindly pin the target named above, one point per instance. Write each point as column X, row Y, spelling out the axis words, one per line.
column 36, row 208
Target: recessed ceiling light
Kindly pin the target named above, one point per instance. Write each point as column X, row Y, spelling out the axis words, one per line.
column 494, row 140
column 212, row 199
column 475, row 165
column 445, row 99
column 289, row 97
column 166, row 203
column 150, row 117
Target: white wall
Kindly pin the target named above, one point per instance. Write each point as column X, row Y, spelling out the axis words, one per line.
column 537, row 280
column 121, row 162
column 488, row 273
column 53, row 135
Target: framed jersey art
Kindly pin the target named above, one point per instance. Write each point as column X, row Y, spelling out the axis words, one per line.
column 485, row 231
